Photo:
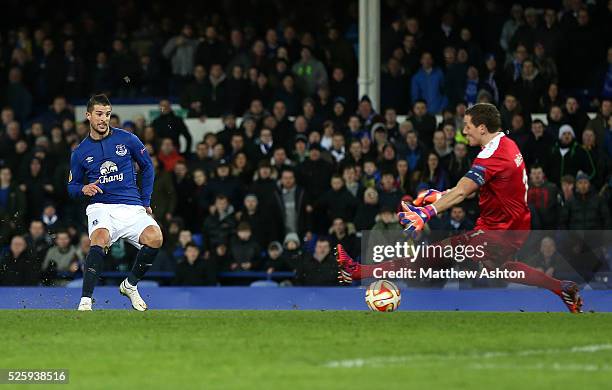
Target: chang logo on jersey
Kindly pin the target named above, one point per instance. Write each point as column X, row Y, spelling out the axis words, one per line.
column 106, row 171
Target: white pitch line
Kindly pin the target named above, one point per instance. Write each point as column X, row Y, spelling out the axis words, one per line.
column 542, row 366
column 379, row 361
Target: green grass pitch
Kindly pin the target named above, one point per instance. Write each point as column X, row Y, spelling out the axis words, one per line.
column 115, row 349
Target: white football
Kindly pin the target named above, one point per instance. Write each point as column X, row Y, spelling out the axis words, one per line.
column 383, row 295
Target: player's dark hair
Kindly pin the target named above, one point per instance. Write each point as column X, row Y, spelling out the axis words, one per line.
column 536, row 166
column 99, row 99
column 485, row 114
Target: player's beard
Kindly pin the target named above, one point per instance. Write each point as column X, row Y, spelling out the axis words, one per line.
column 97, row 131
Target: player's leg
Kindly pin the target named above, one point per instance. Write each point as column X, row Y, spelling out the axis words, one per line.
column 151, row 240
column 533, row 276
column 501, row 248
column 94, row 264
column 503, row 245
column 140, row 230
column 567, row 290
column 349, row 269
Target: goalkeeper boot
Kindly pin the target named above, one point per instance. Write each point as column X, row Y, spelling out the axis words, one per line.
column 570, row 295
column 348, row 269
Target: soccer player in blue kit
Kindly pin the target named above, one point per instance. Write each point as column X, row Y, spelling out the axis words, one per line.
column 102, row 168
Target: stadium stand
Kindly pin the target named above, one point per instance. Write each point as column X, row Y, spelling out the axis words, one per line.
column 299, row 156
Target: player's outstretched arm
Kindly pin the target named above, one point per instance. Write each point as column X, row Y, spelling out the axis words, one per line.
column 464, row 188
column 414, row 218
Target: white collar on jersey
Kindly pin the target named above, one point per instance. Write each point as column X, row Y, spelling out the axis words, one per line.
column 490, row 148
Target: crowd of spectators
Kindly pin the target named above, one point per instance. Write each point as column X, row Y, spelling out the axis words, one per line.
column 309, row 164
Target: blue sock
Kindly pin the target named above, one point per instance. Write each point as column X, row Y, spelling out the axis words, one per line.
column 144, row 261
column 94, row 264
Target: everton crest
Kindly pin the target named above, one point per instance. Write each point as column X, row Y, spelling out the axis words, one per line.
column 121, row 150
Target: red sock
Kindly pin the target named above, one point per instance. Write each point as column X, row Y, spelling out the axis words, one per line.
column 533, row 277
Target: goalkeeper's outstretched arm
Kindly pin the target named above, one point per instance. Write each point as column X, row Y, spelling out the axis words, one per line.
column 464, row 188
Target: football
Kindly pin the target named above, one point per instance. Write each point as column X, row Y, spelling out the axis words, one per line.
column 383, row 295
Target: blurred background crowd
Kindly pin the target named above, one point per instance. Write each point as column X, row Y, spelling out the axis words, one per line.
column 301, row 162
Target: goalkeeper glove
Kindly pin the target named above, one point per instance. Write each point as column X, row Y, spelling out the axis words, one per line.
column 428, row 197
column 414, row 218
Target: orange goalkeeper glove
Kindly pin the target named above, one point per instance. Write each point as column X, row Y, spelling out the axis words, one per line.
column 414, row 218
column 428, row 197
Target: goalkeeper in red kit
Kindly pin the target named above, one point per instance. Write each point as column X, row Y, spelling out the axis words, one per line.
column 498, row 173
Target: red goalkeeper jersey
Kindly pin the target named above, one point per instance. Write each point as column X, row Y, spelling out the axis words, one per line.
column 500, row 173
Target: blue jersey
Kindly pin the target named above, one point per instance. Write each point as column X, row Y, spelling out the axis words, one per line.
column 110, row 161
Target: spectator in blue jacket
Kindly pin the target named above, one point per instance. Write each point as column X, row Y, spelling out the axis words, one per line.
column 428, row 84
column 608, row 138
